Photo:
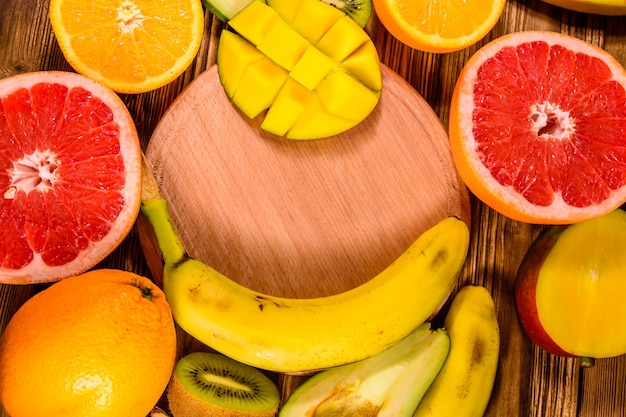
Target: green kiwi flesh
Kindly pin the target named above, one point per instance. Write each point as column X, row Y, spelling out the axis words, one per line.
column 359, row 10
column 205, row 383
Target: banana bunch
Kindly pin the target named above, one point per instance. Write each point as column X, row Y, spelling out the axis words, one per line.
column 464, row 384
column 297, row 335
column 601, row 7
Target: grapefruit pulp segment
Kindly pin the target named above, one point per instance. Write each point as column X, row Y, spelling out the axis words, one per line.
column 537, row 128
column 70, row 179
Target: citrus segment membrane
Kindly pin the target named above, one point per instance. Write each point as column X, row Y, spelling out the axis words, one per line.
column 321, row 58
column 69, row 175
column 538, row 126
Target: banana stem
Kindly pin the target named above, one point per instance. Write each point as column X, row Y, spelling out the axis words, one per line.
column 154, row 207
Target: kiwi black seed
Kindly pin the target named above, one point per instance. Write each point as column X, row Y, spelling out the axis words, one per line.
column 359, row 10
column 206, row 383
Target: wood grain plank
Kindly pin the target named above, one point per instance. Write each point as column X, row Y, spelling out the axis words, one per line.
column 530, row 382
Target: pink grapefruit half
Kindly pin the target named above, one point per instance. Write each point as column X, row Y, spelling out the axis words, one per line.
column 538, row 128
column 70, row 175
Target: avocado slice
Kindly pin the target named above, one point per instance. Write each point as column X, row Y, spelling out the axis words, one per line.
column 390, row 384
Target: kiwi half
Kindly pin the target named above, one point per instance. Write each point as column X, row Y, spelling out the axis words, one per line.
column 359, row 10
column 211, row 384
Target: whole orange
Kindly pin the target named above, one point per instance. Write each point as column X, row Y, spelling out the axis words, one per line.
column 98, row 344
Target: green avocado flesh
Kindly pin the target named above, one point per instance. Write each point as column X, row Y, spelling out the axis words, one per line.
column 390, row 384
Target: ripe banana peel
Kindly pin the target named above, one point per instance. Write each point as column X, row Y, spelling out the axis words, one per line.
column 601, row 7
column 299, row 335
column 464, row 384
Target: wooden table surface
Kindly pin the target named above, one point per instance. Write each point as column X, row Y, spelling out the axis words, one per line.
column 529, row 382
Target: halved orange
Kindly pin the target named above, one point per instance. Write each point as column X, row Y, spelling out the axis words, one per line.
column 538, row 128
column 70, row 175
column 439, row 26
column 131, row 46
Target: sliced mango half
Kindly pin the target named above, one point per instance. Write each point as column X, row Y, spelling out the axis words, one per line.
column 304, row 66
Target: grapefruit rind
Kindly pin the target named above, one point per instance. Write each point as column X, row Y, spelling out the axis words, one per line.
column 477, row 176
column 37, row 270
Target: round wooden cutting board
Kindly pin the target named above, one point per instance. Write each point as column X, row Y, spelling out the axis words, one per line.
column 303, row 218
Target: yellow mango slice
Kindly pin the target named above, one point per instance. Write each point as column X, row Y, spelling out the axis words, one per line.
column 343, row 95
column 254, row 21
column 283, row 45
column 233, row 64
column 315, row 122
column 314, row 19
column 362, row 64
column 286, row 9
column 259, row 86
column 287, row 108
column 310, row 67
column 342, row 39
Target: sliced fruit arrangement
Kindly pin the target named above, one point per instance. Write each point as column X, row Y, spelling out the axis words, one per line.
column 537, row 128
column 464, row 385
column 600, row 7
column 294, row 335
column 70, row 178
column 439, row 26
column 389, row 384
column 100, row 344
column 132, row 46
column 570, row 289
column 304, row 66
column 211, row 384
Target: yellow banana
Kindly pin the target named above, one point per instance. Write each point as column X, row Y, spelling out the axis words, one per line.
column 463, row 387
column 296, row 335
column 601, row 7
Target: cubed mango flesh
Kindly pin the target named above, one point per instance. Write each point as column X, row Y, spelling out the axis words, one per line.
column 343, row 95
column 342, row 39
column 315, row 122
column 320, row 74
column 255, row 22
column 289, row 104
column 259, row 86
column 282, row 45
column 311, row 68
column 316, row 11
column 232, row 65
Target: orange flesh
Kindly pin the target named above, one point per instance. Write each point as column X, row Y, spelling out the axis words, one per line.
column 61, row 174
column 549, row 121
column 448, row 19
column 581, row 287
column 141, row 36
